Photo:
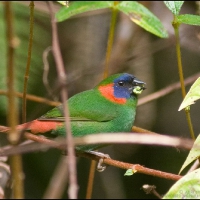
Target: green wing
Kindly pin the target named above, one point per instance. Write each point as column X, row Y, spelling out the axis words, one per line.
column 85, row 106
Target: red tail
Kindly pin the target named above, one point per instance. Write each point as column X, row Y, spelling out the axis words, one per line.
column 35, row 126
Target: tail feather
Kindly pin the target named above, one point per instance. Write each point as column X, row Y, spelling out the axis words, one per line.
column 35, row 126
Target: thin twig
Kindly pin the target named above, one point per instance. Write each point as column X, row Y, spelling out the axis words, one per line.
column 91, row 179
column 46, row 71
column 194, row 166
column 176, row 25
column 110, row 39
column 156, row 95
column 26, row 76
column 135, row 167
column 167, row 90
column 108, row 138
column 33, row 98
column 73, row 187
column 151, row 189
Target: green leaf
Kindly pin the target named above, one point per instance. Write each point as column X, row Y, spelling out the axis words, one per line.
column 142, row 17
column 136, row 11
column 64, row 3
column 130, row 172
column 192, row 95
column 193, row 154
column 78, row 7
column 189, row 19
column 174, row 6
column 187, row 187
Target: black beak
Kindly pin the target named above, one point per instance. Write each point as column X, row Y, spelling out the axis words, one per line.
column 141, row 84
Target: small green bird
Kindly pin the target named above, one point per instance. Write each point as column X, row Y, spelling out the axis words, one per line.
column 108, row 107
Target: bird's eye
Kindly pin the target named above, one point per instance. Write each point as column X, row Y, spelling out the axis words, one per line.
column 121, row 83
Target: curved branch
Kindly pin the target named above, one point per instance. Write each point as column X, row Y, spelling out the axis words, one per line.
column 149, row 139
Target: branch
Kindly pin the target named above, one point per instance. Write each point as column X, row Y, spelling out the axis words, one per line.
column 103, row 138
column 135, row 167
column 12, row 117
column 136, row 138
column 26, row 76
column 167, row 90
column 73, row 186
column 33, row 98
column 161, row 93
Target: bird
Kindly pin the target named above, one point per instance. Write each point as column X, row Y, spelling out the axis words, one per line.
column 109, row 107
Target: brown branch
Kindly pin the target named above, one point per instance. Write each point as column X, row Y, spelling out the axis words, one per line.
column 103, row 138
column 26, row 76
column 183, row 143
column 167, row 90
column 137, row 129
column 151, row 189
column 90, row 183
column 73, row 186
column 33, row 98
column 135, row 167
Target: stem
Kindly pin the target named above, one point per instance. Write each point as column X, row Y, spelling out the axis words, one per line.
column 180, row 70
column 26, row 76
column 91, row 179
column 110, row 39
column 15, row 160
column 33, row 98
column 73, row 187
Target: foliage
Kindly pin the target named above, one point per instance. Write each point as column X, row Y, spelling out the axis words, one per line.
column 137, row 13
column 186, row 188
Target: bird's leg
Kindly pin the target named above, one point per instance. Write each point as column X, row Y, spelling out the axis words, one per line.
column 100, row 166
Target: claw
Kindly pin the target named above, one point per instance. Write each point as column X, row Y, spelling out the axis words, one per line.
column 100, row 167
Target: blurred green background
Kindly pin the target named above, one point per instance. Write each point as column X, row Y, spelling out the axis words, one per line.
column 83, row 41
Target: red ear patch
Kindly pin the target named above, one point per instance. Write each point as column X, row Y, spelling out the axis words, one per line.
column 108, row 92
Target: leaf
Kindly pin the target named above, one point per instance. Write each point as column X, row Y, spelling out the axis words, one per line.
column 136, row 11
column 193, row 154
column 78, row 7
column 174, row 6
column 142, row 17
column 64, row 3
column 188, row 187
column 192, row 95
column 189, row 19
column 130, row 172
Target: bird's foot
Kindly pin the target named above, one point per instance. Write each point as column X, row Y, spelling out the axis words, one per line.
column 100, row 166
